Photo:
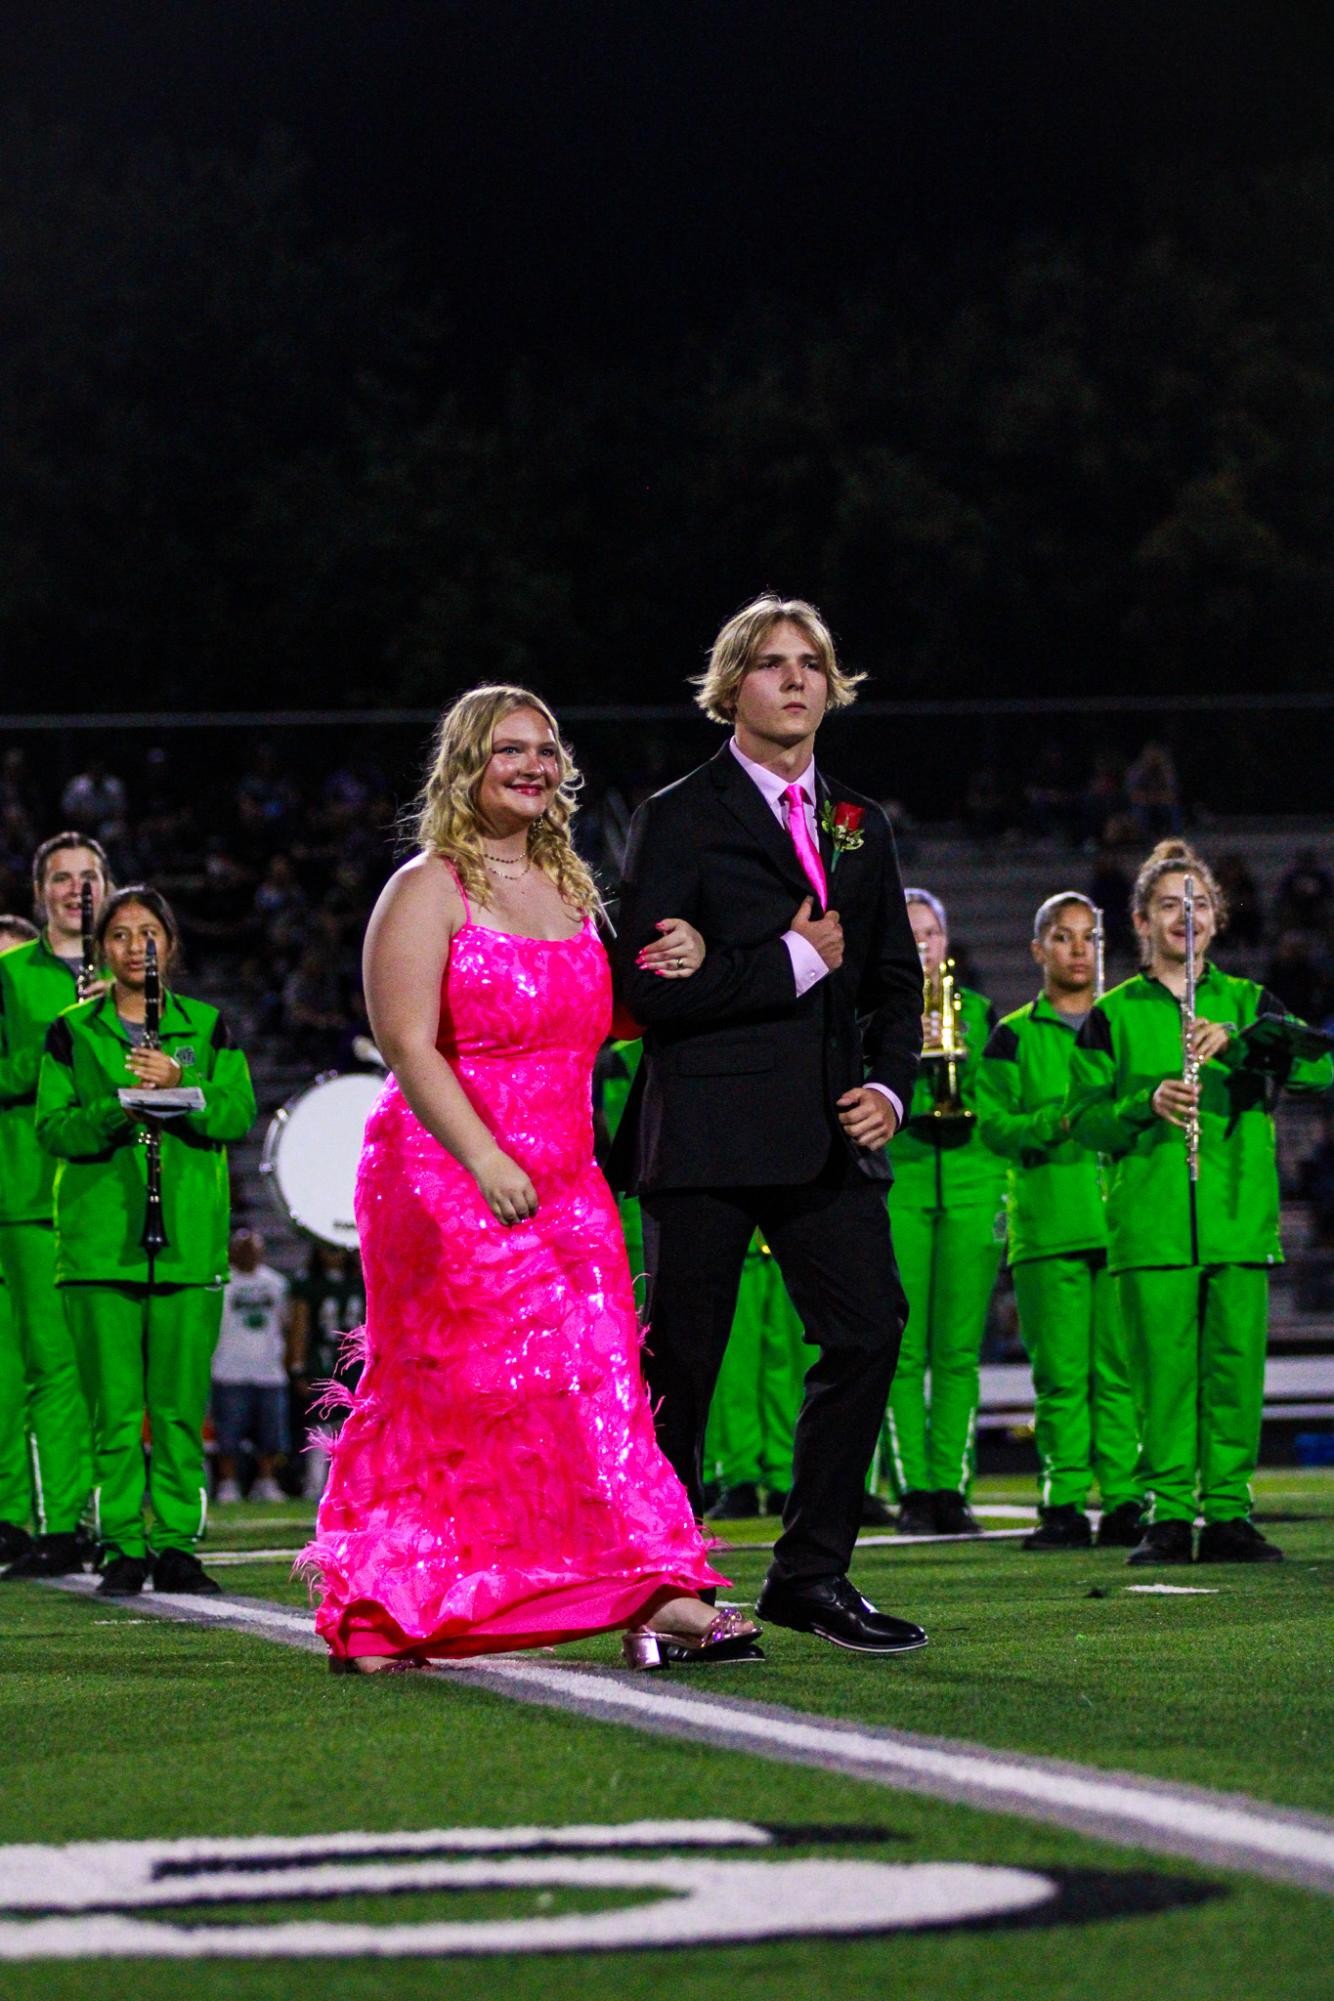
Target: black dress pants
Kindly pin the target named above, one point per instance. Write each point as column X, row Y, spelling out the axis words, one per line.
column 833, row 1246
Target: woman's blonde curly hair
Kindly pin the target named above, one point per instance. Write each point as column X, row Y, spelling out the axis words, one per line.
column 738, row 644
column 447, row 821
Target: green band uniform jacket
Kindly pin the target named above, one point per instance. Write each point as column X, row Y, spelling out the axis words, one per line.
column 1129, row 1044
column 101, row 1175
column 35, row 986
column 1055, row 1204
column 933, row 1177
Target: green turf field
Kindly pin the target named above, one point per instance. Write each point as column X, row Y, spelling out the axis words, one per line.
column 118, row 1726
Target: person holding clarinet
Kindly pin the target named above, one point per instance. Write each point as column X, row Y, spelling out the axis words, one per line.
column 1174, row 1077
column 141, row 1223
column 39, row 978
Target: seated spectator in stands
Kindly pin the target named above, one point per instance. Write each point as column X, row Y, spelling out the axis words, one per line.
column 1245, row 919
column 95, row 803
column 1110, row 885
column 1049, row 802
column 328, row 1304
column 1104, row 796
column 313, row 1010
column 250, row 1371
column 1306, row 895
column 987, row 804
column 267, row 803
column 1153, row 793
column 281, row 906
column 1296, row 974
column 223, row 910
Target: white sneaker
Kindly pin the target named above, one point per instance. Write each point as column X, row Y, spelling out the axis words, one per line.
column 267, row 1489
column 317, row 1476
column 227, row 1491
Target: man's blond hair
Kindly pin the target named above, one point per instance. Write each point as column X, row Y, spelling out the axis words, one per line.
column 737, row 645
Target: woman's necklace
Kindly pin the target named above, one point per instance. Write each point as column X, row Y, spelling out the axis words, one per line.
column 516, row 866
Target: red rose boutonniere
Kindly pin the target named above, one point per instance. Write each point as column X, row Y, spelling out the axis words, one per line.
column 842, row 821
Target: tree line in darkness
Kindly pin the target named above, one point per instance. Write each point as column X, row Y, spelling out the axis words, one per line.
column 245, row 465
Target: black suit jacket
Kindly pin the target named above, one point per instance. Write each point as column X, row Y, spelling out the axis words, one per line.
column 740, row 1077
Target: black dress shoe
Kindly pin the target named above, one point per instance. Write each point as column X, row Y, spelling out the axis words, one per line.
column 775, row 1501
column 917, row 1514
column 122, row 1576
column 1065, row 1527
column 1162, row 1542
column 178, row 1571
column 14, row 1542
column 877, row 1514
column 832, row 1609
column 1121, row 1527
column 953, row 1515
column 1237, row 1541
column 49, row 1556
column 736, row 1504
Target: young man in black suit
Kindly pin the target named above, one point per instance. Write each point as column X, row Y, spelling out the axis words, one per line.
column 770, row 1084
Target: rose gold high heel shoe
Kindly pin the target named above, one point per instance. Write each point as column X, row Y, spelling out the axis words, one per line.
column 729, row 1638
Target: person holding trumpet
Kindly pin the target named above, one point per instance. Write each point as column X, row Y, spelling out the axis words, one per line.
column 143, row 1305
column 944, row 1206
column 1174, row 1077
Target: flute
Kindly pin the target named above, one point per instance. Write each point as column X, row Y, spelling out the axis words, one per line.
column 154, row 1237
column 1191, row 1068
column 1099, row 954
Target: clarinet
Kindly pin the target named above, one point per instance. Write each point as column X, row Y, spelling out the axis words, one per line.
column 1191, row 1068
column 87, row 941
column 154, row 1238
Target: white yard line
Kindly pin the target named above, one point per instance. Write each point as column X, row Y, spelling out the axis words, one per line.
column 1229, row 1831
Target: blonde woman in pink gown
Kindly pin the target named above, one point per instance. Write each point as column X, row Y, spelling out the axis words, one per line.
column 497, row 1483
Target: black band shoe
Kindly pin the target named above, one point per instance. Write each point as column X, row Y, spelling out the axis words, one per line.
column 1162, row 1542
column 122, row 1576
column 832, row 1609
column 1066, row 1527
column 178, row 1571
column 1121, row 1527
column 877, row 1514
column 1236, row 1541
column 917, row 1513
column 735, row 1504
column 953, row 1515
column 14, row 1542
column 49, row 1556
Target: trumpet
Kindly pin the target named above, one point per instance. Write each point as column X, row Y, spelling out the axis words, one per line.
column 943, row 1047
column 1190, row 1072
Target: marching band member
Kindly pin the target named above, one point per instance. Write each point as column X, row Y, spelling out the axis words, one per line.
column 944, row 1206
column 144, row 1324
column 1085, row 1412
column 15, row 1479
column 38, row 979
column 1191, row 1255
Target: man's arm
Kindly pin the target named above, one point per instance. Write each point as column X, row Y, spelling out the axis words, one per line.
column 661, row 879
column 890, row 996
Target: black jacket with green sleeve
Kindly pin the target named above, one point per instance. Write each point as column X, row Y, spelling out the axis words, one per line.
column 101, row 1173
column 35, row 986
column 1156, row 1215
column 1055, row 1204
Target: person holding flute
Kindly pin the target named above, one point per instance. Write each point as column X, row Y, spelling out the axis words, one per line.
column 1156, row 1084
column 38, row 979
column 142, row 1292
column 1085, row 1420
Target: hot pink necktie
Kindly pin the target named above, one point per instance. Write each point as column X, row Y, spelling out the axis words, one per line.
column 807, row 852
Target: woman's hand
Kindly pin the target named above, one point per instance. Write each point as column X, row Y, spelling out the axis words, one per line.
column 1175, row 1100
column 506, row 1189
column 675, row 955
column 1211, row 1039
column 154, row 1069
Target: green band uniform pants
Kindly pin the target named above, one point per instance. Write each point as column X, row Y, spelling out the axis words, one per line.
column 56, row 1416
column 139, row 1353
column 948, row 1259
column 1196, row 1337
column 753, row 1412
column 1085, row 1418
column 15, row 1485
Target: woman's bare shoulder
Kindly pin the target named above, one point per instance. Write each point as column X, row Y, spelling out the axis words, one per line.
column 423, row 887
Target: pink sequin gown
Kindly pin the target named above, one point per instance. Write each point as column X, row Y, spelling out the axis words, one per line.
column 497, row 1482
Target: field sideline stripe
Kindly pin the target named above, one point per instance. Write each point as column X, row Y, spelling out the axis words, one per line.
column 1226, row 1830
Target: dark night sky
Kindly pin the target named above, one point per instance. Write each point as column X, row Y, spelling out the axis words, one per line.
column 584, row 181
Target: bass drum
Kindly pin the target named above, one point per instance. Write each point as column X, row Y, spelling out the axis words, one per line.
column 311, row 1151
